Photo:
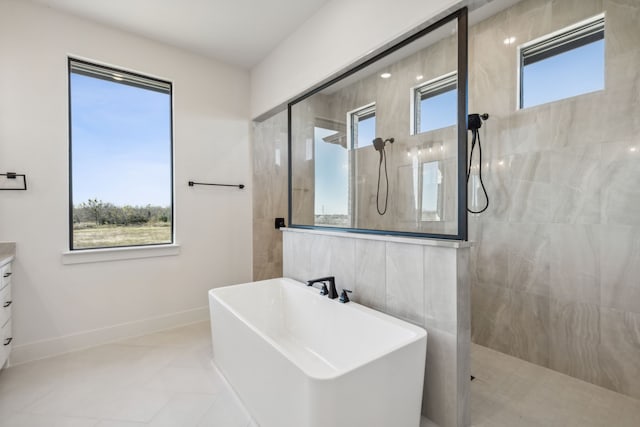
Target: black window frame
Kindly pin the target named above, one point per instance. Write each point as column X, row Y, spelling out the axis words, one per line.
column 118, row 75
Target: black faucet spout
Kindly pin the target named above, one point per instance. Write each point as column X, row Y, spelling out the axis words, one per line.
column 333, row 294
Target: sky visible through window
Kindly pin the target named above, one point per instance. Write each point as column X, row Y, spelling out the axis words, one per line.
column 121, row 143
column 438, row 111
column 332, row 175
column 366, row 131
column 332, row 168
column 568, row 74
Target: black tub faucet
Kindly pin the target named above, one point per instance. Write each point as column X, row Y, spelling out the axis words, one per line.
column 333, row 294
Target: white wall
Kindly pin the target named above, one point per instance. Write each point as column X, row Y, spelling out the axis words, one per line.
column 85, row 302
column 337, row 35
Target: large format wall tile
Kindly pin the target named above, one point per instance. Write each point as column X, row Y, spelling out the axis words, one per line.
column 531, row 202
column 514, row 322
column 405, row 290
column 296, row 257
column 532, row 167
column 370, row 274
column 575, row 262
column 620, row 268
column 318, row 258
column 488, row 302
column 440, row 300
column 491, row 253
column 529, row 259
column 440, row 372
column 575, row 339
column 623, row 36
column 620, row 178
column 269, row 194
column 575, row 176
column 342, row 262
column 497, row 180
column 568, row 12
column 267, row 251
column 620, row 351
column 570, row 187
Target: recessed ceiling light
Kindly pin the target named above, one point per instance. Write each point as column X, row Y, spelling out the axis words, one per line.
column 509, row 40
column 385, row 75
column 420, row 77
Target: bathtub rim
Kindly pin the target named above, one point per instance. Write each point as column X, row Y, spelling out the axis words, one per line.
column 419, row 332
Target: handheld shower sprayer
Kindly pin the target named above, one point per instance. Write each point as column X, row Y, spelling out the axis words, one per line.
column 379, row 144
column 474, row 123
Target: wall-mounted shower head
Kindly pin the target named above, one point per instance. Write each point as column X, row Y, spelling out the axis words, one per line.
column 474, row 121
column 379, row 143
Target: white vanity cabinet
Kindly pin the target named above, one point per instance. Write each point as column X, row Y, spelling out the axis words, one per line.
column 5, row 312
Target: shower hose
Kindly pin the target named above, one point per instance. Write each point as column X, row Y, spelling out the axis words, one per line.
column 476, row 135
column 383, row 156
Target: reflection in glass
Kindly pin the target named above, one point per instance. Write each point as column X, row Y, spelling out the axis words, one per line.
column 431, row 192
column 363, row 126
column 335, row 169
column 436, row 104
column 331, row 178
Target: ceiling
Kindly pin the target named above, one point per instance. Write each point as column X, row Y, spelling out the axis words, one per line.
column 239, row 32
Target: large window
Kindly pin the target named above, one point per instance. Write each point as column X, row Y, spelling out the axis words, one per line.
column 120, row 158
column 563, row 64
column 434, row 104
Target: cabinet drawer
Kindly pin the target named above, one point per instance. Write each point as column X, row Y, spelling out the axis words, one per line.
column 6, row 342
column 5, row 275
column 5, row 304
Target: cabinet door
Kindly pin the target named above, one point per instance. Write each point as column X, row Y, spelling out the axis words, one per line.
column 5, row 275
column 6, row 344
column 5, row 304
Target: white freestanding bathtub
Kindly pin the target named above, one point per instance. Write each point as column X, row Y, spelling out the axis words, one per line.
column 296, row 358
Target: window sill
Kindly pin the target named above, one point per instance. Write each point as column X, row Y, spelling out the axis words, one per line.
column 117, row 254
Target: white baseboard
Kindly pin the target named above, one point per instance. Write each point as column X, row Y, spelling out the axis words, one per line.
column 55, row 346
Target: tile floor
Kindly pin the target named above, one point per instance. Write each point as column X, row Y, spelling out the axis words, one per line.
column 509, row 392
column 161, row 379
column 167, row 379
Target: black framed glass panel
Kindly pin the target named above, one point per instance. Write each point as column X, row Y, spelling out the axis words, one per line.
column 357, row 162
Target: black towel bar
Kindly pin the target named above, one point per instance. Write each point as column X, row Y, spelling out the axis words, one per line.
column 240, row 186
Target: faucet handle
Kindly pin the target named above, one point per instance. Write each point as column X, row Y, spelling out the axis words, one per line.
column 324, row 290
column 344, row 298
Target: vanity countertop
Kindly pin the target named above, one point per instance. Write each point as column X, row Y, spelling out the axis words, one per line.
column 7, row 252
